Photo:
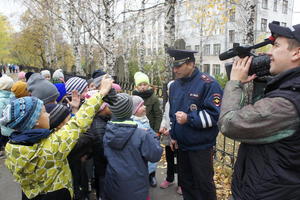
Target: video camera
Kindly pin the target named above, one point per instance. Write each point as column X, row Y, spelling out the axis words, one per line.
column 260, row 64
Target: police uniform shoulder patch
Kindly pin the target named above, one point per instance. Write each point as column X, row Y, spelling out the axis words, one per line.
column 217, row 99
column 206, row 78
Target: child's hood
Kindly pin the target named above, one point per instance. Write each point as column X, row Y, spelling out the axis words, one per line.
column 117, row 134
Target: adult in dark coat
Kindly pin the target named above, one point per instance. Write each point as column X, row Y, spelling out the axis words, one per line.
column 268, row 162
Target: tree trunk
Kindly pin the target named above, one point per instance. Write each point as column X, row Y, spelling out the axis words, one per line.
column 74, row 29
column 250, row 28
column 169, row 38
column 109, row 37
column 141, row 57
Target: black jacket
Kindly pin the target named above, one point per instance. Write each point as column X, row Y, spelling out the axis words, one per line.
column 272, row 171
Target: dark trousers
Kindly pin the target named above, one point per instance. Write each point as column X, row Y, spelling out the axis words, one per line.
column 100, row 163
column 172, row 168
column 196, row 174
column 62, row 194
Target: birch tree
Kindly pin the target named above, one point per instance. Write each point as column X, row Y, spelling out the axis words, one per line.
column 169, row 37
column 141, row 51
column 109, row 37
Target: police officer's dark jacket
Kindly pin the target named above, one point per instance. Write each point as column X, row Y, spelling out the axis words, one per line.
column 200, row 97
column 272, row 171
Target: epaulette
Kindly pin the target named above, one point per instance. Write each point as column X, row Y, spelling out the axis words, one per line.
column 206, row 78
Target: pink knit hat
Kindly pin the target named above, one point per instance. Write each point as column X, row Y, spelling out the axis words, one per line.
column 117, row 87
column 21, row 75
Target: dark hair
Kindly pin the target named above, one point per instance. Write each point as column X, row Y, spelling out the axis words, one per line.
column 292, row 43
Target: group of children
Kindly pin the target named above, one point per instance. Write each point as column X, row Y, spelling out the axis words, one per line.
column 60, row 135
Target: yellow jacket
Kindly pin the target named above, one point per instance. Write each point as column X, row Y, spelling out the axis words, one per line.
column 44, row 167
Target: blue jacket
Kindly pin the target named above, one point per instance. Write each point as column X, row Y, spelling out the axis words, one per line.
column 127, row 149
column 199, row 96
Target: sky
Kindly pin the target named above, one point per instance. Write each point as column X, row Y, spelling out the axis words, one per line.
column 13, row 9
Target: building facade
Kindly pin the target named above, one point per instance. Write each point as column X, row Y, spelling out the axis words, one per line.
column 227, row 21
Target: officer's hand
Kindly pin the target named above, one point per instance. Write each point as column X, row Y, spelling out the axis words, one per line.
column 240, row 69
column 173, row 145
column 181, row 117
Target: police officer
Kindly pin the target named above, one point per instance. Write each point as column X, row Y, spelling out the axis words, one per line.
column 195, row 100
column 268, row 163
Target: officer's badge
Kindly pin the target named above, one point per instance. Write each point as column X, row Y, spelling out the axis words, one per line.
column 193, row 107
column 206, row 78
column 217, row 99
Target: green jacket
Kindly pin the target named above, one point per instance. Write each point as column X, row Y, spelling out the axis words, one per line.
column 44, row 167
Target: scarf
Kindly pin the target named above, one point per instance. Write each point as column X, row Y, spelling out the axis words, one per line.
column 29, row 136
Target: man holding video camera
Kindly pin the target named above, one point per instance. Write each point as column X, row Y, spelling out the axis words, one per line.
column 268, row 163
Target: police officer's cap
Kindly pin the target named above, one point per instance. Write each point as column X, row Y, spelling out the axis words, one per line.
column 181, row 56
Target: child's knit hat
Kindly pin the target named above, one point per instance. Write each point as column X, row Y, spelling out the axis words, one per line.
column 6, row 82
column 117, row 87
column 58, row 75
column 21, row 114
column 58, row 113
column 76, row 83
column 19, row 88
column 21, row 75
column 42, row 88
column 27, row 75
column 122, row 106
column 98, row 73
column 137, row 103
column 140, row 77
column 44, row 73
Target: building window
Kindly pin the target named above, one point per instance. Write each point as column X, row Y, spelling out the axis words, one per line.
column 206, row 51
column 188, row 47
column 232, row 15
column 264, row 4
column 206, row 68
column 263, row 24
column 283, row 24
column 217, row 49
column 231, row 35
column 284, row 6
column 275, row 5
column 216, row 69
column 197, row 48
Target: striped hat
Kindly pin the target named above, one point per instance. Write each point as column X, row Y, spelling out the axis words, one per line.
column 122, row 106
column 58, row 113
column 76, row 83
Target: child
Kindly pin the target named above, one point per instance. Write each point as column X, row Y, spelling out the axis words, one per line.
column 58, row 76
column 46, row 74
column 21, row 76
column 36, row 157
column 139, row 116
column 6, row 96
column 19, row 88
column 127, row 149
column 166, row 140
column 41, row 88
column 153, row 111
column 97, row 131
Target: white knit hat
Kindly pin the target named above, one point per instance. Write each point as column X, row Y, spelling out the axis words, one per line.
column 6, row 82
column 58, row 74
